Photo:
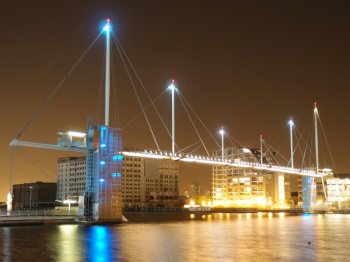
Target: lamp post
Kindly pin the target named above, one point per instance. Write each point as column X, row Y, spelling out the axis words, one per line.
column 222, row 133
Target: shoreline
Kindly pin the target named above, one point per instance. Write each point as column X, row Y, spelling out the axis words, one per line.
column 155, row 215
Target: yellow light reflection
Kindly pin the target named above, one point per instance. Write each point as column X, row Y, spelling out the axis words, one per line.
column 68, row 242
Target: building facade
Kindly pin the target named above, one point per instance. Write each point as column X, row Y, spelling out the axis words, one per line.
column 145, row 182
column 71, row 175
column 246, row 187
column 338, row 192
column 34, row 195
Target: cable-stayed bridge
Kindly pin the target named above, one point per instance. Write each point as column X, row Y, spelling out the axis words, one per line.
column 104, row 150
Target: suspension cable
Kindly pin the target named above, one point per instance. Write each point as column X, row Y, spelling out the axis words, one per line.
column 194, row 126
column 58, row 86
column 198, row 118
column 122, row 50
column 140, row 113
column 137, row 95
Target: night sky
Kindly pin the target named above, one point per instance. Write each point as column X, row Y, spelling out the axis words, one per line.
column 244, row 65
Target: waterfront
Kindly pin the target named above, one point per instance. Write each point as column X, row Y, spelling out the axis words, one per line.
column 215, row 237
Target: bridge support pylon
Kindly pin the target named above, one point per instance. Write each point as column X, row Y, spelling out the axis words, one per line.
column 309, row 194
column 103, row 190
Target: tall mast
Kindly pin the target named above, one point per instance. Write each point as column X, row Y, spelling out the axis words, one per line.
column 316, row 137
column 172, row 88
column 291, row 124
column 261, row 149
column 107, row 29
column 222, row 133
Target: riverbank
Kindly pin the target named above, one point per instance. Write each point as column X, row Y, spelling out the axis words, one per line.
column 35, row 220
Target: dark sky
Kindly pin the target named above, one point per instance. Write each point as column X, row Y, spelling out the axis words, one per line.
column 246, row 65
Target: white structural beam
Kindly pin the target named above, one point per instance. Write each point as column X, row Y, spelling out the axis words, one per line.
column 184, row 158
column 18, row 143
column 226, row 162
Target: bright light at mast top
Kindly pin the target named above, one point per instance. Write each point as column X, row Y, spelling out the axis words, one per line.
column 107, row 27
column 172, row 85
column 291, row 123
column 222, row 131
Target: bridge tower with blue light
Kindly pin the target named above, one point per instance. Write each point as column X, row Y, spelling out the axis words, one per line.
column 103, row 189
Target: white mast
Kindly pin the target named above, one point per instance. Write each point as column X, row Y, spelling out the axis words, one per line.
column 261, row 149
column 316, row 137
column 222, row 133
column 291, row 124
column 172, row 87
column 107, row 29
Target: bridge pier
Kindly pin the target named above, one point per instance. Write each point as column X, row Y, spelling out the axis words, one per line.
column 309, row 194
column 103, row 192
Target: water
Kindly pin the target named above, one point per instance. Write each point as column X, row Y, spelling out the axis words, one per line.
column 216, row 237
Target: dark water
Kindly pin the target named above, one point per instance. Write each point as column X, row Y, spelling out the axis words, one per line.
column 217, row 237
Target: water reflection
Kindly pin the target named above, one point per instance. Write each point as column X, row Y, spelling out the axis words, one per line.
column 99, row 243
column 68, row 243
column 212, row 237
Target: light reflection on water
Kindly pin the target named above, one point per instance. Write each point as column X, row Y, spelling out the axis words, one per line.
column 212, row 237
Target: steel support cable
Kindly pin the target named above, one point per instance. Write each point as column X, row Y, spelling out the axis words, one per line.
column 307, row 148
column 137, row 96
column 330, row 153
column 194, row 126
column 11, row 169
column 306, row 144
column 99, row 102
column 38, row 165
column 121, row 48
column 233, row 140
column 58, row 86
column 194, row 144
column 327, row 144
column 269, row 147
column 267, row 151
column 195, row 149
column 115, row 105
column 140, row 113
column 198, row 118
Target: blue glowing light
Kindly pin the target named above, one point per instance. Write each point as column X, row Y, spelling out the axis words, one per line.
column 103, row 145
column 102, row 180
column 102, row 162
column 116, row 174
column 118, row 157
column 107, row 28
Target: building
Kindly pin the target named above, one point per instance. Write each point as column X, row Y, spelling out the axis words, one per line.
column 71, row 175
column 193, row 190
column 338, row 191
column 161, row 178
column 34, row 195
column 145, row 182
column 246, row 187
